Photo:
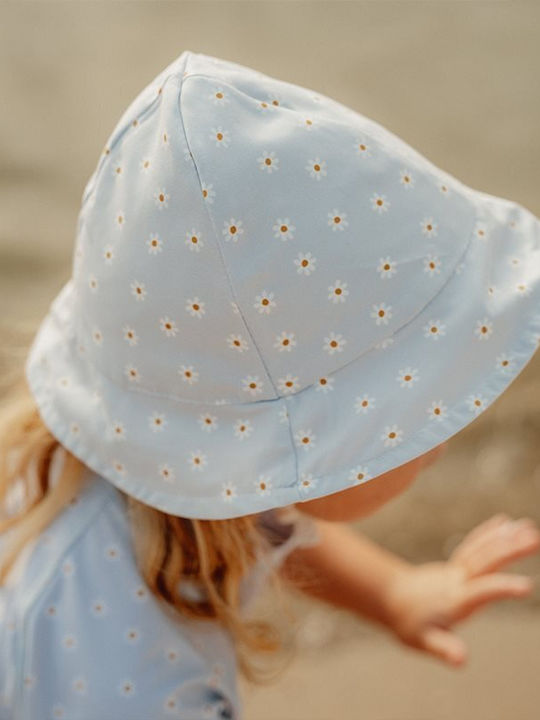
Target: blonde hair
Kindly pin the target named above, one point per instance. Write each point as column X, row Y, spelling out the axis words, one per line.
column 215, row 553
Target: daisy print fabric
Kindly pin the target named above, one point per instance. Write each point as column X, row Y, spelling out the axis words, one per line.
column 274, row 297
column 101, row 645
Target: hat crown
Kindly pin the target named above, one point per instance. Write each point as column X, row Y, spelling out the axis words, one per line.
column 244, row 237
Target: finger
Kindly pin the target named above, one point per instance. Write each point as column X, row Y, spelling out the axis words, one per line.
column 443, row 644
column 469, row 541
column 501, row 548
column 489, row 588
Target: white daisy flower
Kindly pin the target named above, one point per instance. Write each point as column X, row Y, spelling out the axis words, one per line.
column 268, row 162
column 208, row 422
column 168, row 326
column 120, row 218
column 58, row 711
column 432, row 265
column 144, row 164
column 362, row 148
column 157, row 421
column 307, row 483
column 130, row 336
column 188, row 373
column 392, row 435
column 97, row 336
column 504, row 363
column 305, row 439
column 283, row 415
column 379, row 203
column 337, row 292
column 155, row 244
column 79, row 685
column 165, row 137
column 222, row 137
column 197, row 460
column 140, row 593
column 306, row 123
column 406, row 179
column 166, row 472
column 480, row 231
column 252, row 384
column 337, row 220
column 93, row 283
column 68, row 567
column 117, row 169
column 407, row 377
column 232, row 229
column 265, row 302
column 242, row 429
column 161, row 197
column 132, row 374
column 523, row 289
column 434, row 329
column 429, row 227
column 316, row 168
column 387, row 267
column 334, row 343
column 237, row 342
column 99, row 608
column 283, row 229
column 108, row 254
column 69, row 641
column 219, row 97
column 195, row 307
column 119, row 467
column 382, row 313
column 263, row 485
column 477, row 403
column 514, row 262
column 112, row 552
column 325, row 384
column 126, row 688
column 229, row 491
column 208, row 192
column 443, row 189
column 285, row 341
column 194, row 241
column 484, row 329
column 118, row 430
column 437, row 411
column 132, row 635
column 359, row 474
column 364, row 403
column 288, row 384
column 138, row 290
column 305, row 263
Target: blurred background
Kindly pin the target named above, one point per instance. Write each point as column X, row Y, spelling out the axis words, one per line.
column 456, row 80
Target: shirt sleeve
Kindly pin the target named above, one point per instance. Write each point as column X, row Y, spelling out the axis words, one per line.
column 286, row 529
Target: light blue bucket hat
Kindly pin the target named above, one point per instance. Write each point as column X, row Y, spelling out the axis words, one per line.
column 274, row 298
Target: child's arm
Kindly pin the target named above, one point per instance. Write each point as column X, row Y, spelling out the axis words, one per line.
column 417, row 603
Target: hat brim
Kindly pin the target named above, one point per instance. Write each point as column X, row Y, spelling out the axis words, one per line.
column 441, row 370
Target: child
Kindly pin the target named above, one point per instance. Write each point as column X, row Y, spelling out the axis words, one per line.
column 279, row 312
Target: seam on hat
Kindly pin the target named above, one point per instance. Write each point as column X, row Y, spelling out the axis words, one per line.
column 227, row 274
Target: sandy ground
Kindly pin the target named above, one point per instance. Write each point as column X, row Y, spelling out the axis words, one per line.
column 457, row 80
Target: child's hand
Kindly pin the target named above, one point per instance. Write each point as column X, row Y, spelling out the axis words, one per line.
column 426, row 600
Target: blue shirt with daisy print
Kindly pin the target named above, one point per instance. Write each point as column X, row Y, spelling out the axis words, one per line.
column 82, row 637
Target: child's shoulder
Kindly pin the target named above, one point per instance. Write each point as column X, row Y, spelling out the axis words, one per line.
column 91, row 637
